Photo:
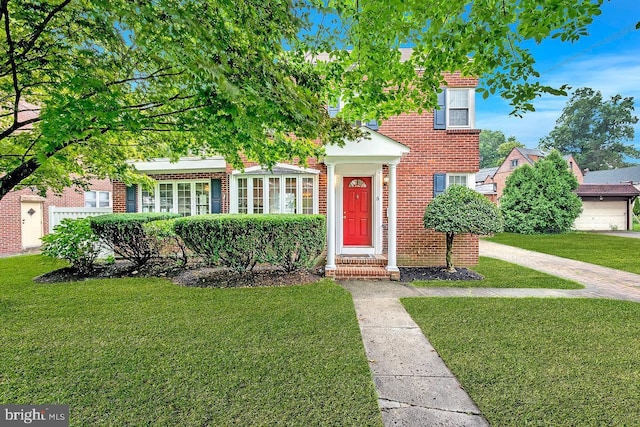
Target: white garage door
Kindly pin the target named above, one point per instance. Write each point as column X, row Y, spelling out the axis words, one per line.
column 605, row 215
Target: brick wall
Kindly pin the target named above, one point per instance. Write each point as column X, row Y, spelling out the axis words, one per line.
column 10, row 220
column 432, row 151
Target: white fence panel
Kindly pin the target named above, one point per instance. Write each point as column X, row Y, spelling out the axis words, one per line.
column 56, row 215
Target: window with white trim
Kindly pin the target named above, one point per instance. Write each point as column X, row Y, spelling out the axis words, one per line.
column 460, row 108
column 456, row 179
column 293, row 194
column 183, row 197
column 97, row 199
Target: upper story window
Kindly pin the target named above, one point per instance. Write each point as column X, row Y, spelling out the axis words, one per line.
column 97, row 199
column 183, row 197
column 514, row 163
column 257, row 192
column 456, row 109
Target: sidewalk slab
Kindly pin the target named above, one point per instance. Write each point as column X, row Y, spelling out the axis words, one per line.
column 415, row 387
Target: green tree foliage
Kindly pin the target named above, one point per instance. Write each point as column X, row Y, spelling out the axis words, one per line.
column 596, row 131
column 494, row 147
column 490, row 140
column 541, row 199
column 86, row 85
column 505, row 148
column 461, row 210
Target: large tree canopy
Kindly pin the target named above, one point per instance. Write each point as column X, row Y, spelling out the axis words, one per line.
column 87, row 84
column 598, row 132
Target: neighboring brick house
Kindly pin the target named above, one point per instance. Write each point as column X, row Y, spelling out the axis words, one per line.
column 517, row 157
column 607, row 201
column 373, row 191
column 24, row 215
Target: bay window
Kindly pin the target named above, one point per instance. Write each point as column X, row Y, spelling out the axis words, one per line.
column 291, row 194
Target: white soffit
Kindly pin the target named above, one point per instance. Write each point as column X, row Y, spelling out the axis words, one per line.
column 377, row 146
column 185, row 164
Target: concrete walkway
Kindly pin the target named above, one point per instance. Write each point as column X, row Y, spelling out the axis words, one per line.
column 415, row 388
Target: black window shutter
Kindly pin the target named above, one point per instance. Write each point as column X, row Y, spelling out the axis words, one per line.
column 132, row 199
column 216, row 196
column 439, row 183
column 440, row 116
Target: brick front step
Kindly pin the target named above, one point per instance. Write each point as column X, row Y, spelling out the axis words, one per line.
column 368, row 272
column 369, row 260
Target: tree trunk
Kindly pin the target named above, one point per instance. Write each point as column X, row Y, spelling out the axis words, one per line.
column 15, row 177
column 449, row 256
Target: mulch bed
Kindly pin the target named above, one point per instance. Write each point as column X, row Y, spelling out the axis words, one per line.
column 204, row 276
column 193, row 275
column 409, row 274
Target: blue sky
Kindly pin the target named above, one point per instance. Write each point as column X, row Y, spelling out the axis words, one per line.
column 607, row 60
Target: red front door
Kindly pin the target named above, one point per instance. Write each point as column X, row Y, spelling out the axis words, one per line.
column 357, row 211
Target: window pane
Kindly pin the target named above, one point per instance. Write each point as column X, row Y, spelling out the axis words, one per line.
column 90, row 199
column 148, row 201
column 202, row 198
column 307, row 195
column 458, row 180
column 274, row 195
column 290, row 195
column 184, row 198
column 103, row 199
column 258, row 195
column 459, row 117
column 166, row 197
column 458, row 98
column 242, row 195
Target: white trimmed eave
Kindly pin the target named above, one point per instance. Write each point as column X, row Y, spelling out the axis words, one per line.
column 184, row 164
column 282, row 167
column 377, row 148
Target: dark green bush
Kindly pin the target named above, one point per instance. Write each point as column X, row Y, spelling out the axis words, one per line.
column 242, row 241
column 74, row 241
column 166, row 240
column 124, row 233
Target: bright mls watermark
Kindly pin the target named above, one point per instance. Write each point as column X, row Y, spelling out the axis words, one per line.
column 35, row 415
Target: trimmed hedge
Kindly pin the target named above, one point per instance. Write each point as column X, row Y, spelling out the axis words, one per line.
column 124, row 233
column 164, row 236
column 242, row 241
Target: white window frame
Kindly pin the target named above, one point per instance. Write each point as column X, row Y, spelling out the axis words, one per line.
column 471, row 106
column 469, row 176
column 233, row 188
column 98, row 192
column 174, row 192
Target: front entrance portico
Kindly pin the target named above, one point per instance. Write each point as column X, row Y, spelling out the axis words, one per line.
column 355, row 172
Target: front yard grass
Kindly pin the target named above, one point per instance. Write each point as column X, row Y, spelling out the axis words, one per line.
column 620, row 253
column 502, row 274
column 560, row 362
column 147, row 352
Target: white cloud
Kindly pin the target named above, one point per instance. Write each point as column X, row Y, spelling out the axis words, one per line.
column 611, row 74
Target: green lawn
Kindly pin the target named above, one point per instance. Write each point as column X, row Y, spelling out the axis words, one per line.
column 610, row 251
column 147, row 352
column 556, row 362
column 501, row 274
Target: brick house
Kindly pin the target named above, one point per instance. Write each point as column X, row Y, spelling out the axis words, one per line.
column 373, row 191
column 517, row 157
column 24, row 215
column 607, row 202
